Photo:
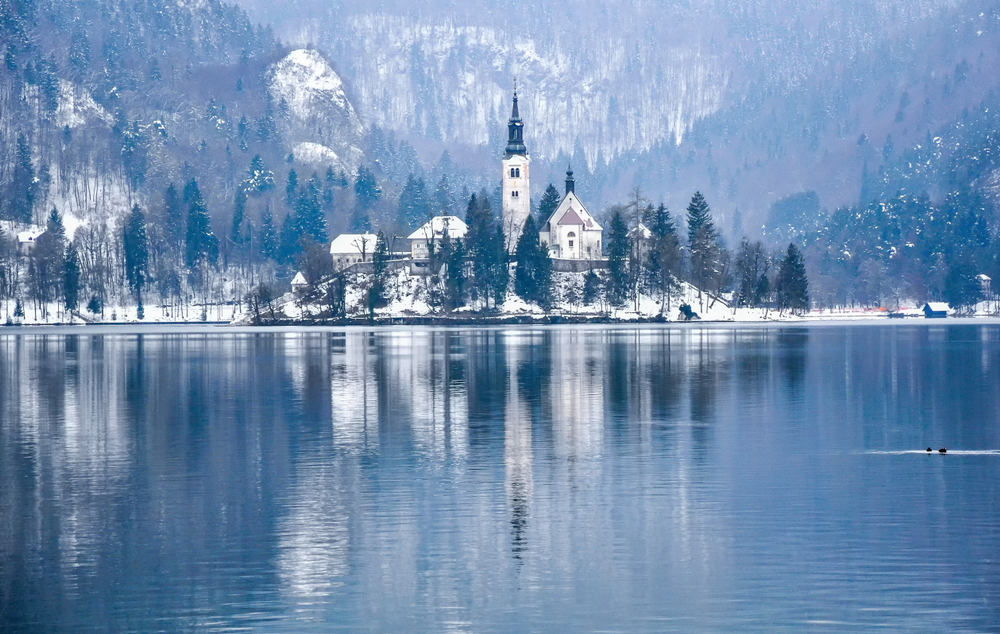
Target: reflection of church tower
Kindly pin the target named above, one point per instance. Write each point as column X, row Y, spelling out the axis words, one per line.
column 516, row 192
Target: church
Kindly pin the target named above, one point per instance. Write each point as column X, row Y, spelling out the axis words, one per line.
column 571, row 232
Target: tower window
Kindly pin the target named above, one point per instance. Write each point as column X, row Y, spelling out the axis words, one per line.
column 513, row 194
column 515, row 172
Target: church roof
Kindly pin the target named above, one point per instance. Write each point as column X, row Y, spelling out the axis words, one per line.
column 571, row 218
column 515, row 132
column 571, row 211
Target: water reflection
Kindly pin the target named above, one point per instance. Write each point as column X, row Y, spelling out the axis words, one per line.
column 541, row 479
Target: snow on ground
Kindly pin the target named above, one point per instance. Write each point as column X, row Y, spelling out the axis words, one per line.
column 416, row 296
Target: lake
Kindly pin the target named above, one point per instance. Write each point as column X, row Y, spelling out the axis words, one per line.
column 562, row 479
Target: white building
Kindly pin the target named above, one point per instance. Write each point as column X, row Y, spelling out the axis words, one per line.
column 26, row 239
column 640, row 239
column 352, row 248
column 431, row 234
column 516, row 183
column 299, row 283
column 571, row 232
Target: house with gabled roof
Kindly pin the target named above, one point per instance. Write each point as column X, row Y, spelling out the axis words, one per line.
column 348, row 249
column 571, row 232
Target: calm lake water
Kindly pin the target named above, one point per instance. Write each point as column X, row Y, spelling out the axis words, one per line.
column 519, row 480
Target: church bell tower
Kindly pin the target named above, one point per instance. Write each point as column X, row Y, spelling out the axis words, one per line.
column 516, row 191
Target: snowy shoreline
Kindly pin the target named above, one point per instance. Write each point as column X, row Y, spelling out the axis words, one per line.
column 135, row 327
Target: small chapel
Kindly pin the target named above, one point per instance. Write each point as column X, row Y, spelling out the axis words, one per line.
column 571, row 232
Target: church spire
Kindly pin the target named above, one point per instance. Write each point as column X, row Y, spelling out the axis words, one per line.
column 515, row 131
column 570, row 181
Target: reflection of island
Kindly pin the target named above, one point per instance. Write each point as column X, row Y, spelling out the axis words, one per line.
column 354, row 395
column 518, row 477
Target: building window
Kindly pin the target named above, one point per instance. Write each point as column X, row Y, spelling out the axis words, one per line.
column 571, row 244
column 513, row 194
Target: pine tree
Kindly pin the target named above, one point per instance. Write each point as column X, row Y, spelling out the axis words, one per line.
column 366, row 188
column 962, row 288
column 664, row 262
column 413, row 209
column 23, row 187
column 699, row 216
column 591, row 287
column 533, row 273
column 703, row 244
column 269, row 237
column 71, row 277
column 259, row 179
column 239, row 216
column 289, row 243
column 173, row 219
column 616, row 289
column 329, row 191
column 455, row 279
column 791, row 285
column 47, row 260
column 291, row 188
column 442, row 196
column 548, row 204
column 380, row 270
column 201, row 245
column 136, row 248
column 309, row 211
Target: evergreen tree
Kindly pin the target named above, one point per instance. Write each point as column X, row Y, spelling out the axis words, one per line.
column 191, row 191
column 71, row 277
column 442, row 196
column 46, row 264
column 703, row 244
column 485, row 245
column 962, row 288
column 79, row 52
column 136, row 249
column 290, row 242
column 548, row 204
column 414, row 209
column 499, row 265
column 699, row 217
column 259, row 179
column 366, row 188
column 173, row 219
column 23, row 188
column 533, row 273
column 791, row 286
column 309, row 211
column 455, row 279
column 591, row 287
column 236, row 234
column 329, row 191
column 201, row 245
column 616, row 288
column 291, row 188
column 380, row 271
column 664, row 262
column 269, row 247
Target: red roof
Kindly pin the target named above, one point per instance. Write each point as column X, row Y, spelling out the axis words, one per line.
column 571, row 218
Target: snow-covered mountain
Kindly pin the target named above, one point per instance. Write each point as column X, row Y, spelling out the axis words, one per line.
column 748, row 101
column 322, row 127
